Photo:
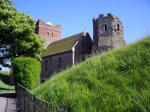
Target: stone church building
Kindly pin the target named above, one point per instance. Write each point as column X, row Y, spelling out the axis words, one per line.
column 65, row 53
column 61, row 54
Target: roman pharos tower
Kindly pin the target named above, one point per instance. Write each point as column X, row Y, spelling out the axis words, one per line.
column 107, row 33
column 48, row 32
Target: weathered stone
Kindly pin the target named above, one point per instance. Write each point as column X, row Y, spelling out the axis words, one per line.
column 78, row 51
column 107, row 33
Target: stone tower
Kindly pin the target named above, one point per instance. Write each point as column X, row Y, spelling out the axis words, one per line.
column 48, row 32
column 107, row 33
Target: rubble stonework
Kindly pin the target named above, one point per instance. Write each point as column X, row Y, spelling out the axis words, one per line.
column 65, row 53
column 107, row 33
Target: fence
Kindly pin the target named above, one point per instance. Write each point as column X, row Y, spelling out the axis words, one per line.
column 27, row 102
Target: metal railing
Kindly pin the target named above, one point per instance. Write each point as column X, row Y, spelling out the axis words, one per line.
column 27, row 102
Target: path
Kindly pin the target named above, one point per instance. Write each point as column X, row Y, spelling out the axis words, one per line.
column 7, row 102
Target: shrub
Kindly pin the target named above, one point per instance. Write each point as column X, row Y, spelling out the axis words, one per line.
column 26, row 71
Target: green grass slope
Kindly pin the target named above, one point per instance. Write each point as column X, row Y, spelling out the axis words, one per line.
column 117, row 81
column 4, row 83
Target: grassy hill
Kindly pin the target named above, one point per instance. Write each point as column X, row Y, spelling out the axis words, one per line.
column 4, row 83
column 117, row 81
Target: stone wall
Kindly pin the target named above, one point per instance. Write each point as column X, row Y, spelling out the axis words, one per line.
column 59, row 62
column 83, row 48
column 56, row 63
column 107, row 33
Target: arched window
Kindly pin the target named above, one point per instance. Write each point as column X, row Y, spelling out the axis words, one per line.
column 106, row 27
column 60, row 63
column 46, row 65
column 118, row 27
column 48, row 33
column 89, row 51
column 83, row 46
column 52, row 34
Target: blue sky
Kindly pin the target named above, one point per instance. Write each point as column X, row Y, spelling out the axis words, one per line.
column 74, row 15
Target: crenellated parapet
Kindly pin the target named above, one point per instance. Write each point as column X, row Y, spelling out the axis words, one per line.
column 108, row 32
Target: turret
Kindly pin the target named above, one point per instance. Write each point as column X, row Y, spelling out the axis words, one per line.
column 107, row 33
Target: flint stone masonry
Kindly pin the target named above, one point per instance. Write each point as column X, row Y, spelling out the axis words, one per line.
column 83, row 48
column 107, row 33
column 55, row 63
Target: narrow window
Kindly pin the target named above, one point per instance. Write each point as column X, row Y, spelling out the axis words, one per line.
column 46, row 65
column 106, row 27
column 52, row 35
column 83, row 46
column 48, row 33
column 89, row 48
column 118, row 27
column 60, row 63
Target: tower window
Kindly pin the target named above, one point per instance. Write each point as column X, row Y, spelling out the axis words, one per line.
column 52, row 35
column 106, row 27
column 118, row 27
column 48, row 33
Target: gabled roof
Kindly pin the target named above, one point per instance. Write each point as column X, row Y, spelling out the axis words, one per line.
column 61, row 46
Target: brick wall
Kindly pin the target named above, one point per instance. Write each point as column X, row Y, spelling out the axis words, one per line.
column 49, row 33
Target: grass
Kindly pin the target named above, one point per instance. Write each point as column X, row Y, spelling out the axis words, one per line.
column 116, row 81
column 4, row 83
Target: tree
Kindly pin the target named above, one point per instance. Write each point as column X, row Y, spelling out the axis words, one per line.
column 17, row 37
column 9, row 2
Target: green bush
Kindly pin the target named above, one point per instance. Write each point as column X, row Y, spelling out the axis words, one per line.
column 26, row 71
column 116, row 81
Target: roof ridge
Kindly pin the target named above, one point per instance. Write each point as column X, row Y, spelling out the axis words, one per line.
column 61, row 45
column 66, row 38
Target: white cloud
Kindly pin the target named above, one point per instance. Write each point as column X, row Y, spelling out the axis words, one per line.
column 49, row 23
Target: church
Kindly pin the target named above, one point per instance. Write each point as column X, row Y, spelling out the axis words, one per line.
column 61, row 54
